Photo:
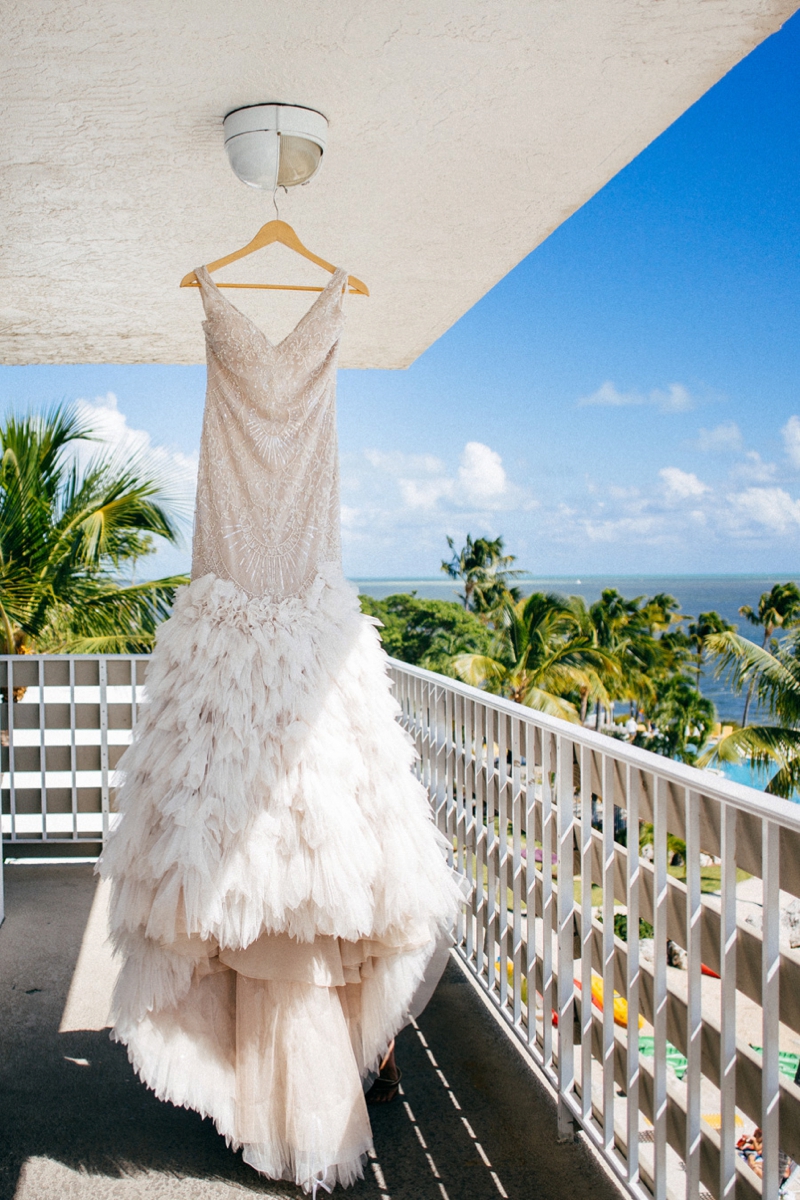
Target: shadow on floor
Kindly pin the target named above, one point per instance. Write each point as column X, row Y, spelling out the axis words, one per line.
column 473, row 1123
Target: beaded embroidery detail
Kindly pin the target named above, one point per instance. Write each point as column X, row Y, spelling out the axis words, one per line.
column 267, row 514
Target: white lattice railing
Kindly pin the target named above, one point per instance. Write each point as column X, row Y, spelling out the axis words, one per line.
column 60, row 741
column 539, row 812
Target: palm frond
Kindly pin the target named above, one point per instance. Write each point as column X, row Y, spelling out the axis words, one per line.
column 554, row 706
column 763, row 746
column 479, row 669
column 775, row 677
column 112, row 619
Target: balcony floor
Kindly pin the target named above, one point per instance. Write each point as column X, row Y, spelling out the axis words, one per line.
column 77, row 1125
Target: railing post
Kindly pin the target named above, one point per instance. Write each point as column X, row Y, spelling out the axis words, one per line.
column 448, row 777
column 12, row 771
column 102, row 667
column 659, row 988
column 549, row 773
column 727, row 1040
column 42, row 748
column 609, row 850
column 516, row 867
column 491, row 855
column 586, row 934
column 503, row 781
column 770, row 999
column 458, row 798
column 632, row 979
column 566, row 941
column 73, row 751
column 694, row 1032
column 530, row 879
column 470, row 815
column 481, row 821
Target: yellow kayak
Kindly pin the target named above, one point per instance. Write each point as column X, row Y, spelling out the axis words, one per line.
column 620, row 1003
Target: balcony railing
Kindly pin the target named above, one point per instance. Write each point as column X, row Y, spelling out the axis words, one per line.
column 60, row 742
column 658, row 1065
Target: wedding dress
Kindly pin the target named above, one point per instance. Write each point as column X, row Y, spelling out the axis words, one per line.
column 278, row 884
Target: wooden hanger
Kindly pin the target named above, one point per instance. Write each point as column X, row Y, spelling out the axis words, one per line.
column 276, row 231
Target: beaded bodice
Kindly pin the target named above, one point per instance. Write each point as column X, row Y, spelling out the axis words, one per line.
column 267, row 514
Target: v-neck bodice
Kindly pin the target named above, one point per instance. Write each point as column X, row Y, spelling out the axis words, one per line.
column 267, row 514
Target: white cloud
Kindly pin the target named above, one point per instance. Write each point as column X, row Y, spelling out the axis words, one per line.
column 622, row 493
column 791, row 440
column 771, row 507
column 622, row 528
column 397, row 508
column 425, row 484
column 675, row 398
column 425, row 493
column 481, row 473
column 681, row 485
column 727, row 436
column 668, row 519
column 608, row 396
column 754, row 469
column 397, row 463
column 112, row 431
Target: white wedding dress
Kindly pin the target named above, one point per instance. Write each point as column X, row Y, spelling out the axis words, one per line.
column 278, row 884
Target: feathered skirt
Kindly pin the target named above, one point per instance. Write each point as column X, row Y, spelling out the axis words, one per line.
column 279, row 888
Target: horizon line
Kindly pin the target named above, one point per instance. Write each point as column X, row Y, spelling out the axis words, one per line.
column 595, row 575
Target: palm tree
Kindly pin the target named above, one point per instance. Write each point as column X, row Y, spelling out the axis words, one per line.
column 540, row 658
column 594, row 631
column 485, row 571
column 777, row 609
column 618, row 630
column 684, row 719
column 66, row 535
column 773, row 674
column 701, row 630
column 640, row 637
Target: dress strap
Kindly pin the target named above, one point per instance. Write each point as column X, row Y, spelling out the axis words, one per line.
column 212, row 297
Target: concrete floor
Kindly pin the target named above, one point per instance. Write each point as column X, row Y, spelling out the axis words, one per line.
column 75, row 1124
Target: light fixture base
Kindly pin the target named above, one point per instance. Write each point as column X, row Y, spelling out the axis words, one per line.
column 275, row 145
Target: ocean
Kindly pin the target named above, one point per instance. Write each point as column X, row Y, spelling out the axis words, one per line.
column 695, row 593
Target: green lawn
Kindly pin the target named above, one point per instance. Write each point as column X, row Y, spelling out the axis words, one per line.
column 710, row 877
column 709, row 882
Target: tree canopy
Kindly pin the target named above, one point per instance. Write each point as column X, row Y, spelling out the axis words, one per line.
column 485, row 571
column 427, row 633
column 68, row 533
column 563, row 656
column 539, row 657
column 772, row 673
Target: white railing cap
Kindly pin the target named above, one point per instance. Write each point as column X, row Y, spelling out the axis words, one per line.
column 748, row 799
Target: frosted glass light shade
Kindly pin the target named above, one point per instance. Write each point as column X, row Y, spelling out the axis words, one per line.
column 298, row 159
column 275, row 145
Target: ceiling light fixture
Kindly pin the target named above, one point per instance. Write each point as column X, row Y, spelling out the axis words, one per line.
column 275, row 145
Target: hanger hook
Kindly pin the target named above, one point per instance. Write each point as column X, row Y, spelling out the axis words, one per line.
column 275, row 202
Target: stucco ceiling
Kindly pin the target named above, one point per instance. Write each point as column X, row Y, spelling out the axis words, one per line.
column 461, row 135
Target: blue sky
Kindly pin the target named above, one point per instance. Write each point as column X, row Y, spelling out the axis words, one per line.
column 627, row 400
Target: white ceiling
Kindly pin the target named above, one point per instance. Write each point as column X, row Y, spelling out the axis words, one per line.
column 461, row 135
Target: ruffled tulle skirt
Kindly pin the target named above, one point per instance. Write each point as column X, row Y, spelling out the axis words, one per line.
column 279, row 888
